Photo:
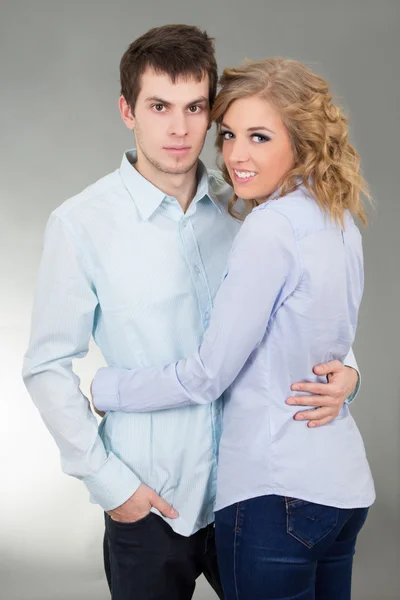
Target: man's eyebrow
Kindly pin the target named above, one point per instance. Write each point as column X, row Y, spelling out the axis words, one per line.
column 159, row 100
column 198, row 100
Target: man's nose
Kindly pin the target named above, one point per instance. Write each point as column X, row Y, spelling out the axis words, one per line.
column 178, row 125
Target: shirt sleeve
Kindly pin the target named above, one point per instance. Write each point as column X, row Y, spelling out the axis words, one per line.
column 263, row 270
column 350, row 361
column 62, row 322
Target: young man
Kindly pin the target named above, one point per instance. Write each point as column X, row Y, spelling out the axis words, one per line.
column 135, row 260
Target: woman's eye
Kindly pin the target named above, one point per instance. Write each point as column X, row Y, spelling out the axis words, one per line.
column 226, row 135
column 259, row 139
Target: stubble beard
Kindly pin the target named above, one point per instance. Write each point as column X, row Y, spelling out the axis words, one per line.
column 178, row 170
column 168, row 170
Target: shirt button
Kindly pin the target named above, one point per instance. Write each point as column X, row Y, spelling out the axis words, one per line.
column 207, row 316
column 184, row 223
column 196, row 269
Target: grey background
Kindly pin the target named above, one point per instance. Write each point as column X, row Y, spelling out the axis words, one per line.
column 60, row 130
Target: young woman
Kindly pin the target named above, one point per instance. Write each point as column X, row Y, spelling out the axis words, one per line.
column 288, row 510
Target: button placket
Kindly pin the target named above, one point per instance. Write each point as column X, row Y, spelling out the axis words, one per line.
column 205, row 306
column 199, row 279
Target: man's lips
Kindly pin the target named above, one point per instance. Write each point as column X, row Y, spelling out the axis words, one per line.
column 177, row 150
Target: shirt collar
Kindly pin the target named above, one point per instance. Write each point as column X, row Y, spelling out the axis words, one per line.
column 148, row 197
column 204, row 188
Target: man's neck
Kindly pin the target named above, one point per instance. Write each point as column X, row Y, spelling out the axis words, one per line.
column 182, row 187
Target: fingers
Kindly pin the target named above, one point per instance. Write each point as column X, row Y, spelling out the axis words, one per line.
column 328, row 367
column 328, row 401
column 320, row 422
column 164, row 508
column 313, row 388
column 317, row 414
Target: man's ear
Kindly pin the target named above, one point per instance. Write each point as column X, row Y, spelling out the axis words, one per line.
column 126, row 113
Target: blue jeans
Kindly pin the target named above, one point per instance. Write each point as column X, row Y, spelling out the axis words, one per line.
column 279, row 548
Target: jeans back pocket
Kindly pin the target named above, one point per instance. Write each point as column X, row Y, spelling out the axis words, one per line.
column 309, row 523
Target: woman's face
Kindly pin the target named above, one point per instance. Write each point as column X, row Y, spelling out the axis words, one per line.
column 256, row 148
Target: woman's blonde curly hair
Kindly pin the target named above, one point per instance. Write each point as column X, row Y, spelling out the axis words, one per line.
column 325, row 161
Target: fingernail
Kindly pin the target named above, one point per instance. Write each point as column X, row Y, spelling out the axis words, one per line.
column 299, row 417
column 296, row 387
column 290, row 401
column 174, row 513
column 312, row 424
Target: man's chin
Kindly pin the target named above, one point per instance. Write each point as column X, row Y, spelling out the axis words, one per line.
column 177, row 169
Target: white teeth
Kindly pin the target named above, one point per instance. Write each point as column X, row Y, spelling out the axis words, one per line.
column 244, row 174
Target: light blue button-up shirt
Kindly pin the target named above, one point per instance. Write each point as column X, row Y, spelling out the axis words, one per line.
column 289, row 300
column 123, row 262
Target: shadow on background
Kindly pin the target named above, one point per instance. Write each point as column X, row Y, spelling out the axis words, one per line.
column 21, row 580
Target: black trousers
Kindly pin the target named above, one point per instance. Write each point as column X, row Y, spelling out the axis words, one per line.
column 147, row 560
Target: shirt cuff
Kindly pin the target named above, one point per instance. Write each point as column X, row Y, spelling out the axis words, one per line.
column 105, row 386
column 113, row 484
column 356, row 389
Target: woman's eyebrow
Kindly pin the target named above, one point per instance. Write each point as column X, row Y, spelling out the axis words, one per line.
column 258, row 129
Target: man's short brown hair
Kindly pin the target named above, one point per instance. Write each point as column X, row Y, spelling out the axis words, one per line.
column 176, row 50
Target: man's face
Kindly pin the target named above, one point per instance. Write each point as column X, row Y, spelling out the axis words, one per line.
column 170, row 122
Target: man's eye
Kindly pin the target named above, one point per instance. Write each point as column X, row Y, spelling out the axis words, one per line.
column 159, row 107
column 194, row 109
